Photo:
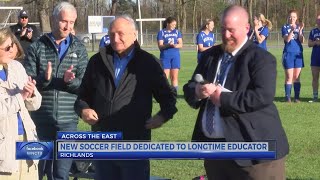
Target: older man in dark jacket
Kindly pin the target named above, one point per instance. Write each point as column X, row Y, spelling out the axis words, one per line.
column 116, row 95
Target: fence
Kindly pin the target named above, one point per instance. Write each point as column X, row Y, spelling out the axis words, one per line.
column 274, row 40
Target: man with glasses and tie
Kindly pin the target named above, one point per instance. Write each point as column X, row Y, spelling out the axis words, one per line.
column 25, row 33
column 236, row 101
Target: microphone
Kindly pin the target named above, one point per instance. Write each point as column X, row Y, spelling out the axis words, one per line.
column 199, row 79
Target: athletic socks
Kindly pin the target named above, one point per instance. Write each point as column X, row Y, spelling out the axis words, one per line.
column 297, row 86
column 287, row 89
column 315, row 95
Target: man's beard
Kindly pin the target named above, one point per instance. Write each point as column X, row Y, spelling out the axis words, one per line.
column 227, row 46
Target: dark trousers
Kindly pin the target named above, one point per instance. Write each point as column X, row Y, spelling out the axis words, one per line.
column 229, row 170
column 122, row 170
column 54, row 169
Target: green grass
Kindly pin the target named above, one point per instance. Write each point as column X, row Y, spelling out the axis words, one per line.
column 300, row 120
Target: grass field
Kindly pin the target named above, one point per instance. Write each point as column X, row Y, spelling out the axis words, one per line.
column 300, row 120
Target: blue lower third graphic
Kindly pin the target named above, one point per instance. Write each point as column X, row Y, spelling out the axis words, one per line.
column 34, row 150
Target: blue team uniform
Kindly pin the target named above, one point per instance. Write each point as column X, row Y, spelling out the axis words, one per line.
column 105, row 40
column 315, row 55
column 293, row 51
column 264, row 30
column 170, row 57
column 206, row 40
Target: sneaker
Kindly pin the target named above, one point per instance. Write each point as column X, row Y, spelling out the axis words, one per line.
column 288, row 100
column 297, row 100
column 313, row 100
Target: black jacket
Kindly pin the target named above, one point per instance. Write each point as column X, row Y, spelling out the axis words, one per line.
column 128, row 107
column 248, row 112
column 24, row 41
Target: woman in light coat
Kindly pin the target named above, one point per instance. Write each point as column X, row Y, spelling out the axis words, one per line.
column 18, row 95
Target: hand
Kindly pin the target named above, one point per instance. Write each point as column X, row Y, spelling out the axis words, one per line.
column 28, row 89
column 154, row 122
column 301, row 26
column 205, row 90
column 215, row 96
column 23, row 32
column 69, row 75
column 29, row 34
column 256, row 22
column 48, row 71
column 317, row 42
column 293, row 27
column 34, row 83
column 89, row 116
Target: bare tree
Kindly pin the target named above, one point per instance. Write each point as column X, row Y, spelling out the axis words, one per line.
column 194, row 17
column 114, row 7
column 43, row 13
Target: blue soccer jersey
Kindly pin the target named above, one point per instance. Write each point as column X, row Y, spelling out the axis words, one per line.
column 294, row 45
column 206, row 40
column 105, row 40
column 314, row 36
column 264, row 30
column 169, row 37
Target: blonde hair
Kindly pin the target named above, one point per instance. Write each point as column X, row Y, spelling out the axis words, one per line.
column 20, row 53
column 205, row 23
column 5, row 33
column 265, row 22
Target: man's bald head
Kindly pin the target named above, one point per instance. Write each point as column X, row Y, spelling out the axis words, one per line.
column 236, row 12
column 235, row 26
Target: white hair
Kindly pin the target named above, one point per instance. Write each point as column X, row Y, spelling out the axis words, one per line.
column 126, row 17
column 61, row 7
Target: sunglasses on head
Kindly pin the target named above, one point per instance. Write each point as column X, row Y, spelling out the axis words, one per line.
column 6, row 49
column 23, row 17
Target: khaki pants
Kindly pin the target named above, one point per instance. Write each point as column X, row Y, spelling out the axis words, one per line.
column 27, row 170
column 229, row 170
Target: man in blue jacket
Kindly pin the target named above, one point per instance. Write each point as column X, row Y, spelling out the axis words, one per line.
column 116, row 95
column 57, row 61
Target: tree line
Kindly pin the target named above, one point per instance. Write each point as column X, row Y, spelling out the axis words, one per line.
column 189, row 13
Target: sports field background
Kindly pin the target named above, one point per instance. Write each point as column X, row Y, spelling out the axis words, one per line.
column 300, row 120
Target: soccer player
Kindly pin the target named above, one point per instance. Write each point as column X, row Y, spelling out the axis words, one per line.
column 292, row 34
column 205, row 39
column 262, row 26
column 314, row 42
column 105, row 41
column 169, row 43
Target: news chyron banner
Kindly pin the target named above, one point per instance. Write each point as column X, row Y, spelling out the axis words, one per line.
column 109, row 145
column 79, row 145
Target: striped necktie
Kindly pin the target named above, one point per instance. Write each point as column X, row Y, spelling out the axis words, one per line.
column 226, row 61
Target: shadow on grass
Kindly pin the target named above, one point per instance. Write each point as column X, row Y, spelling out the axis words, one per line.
column 276, row 99
column 180, row 96
column 282, row 99
column 300, row 179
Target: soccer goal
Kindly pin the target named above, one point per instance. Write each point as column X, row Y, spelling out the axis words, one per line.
column 6, row 14
column 148, row 19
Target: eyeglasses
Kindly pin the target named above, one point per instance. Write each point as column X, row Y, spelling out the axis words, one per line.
column 6, row 49
column 23, row 17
